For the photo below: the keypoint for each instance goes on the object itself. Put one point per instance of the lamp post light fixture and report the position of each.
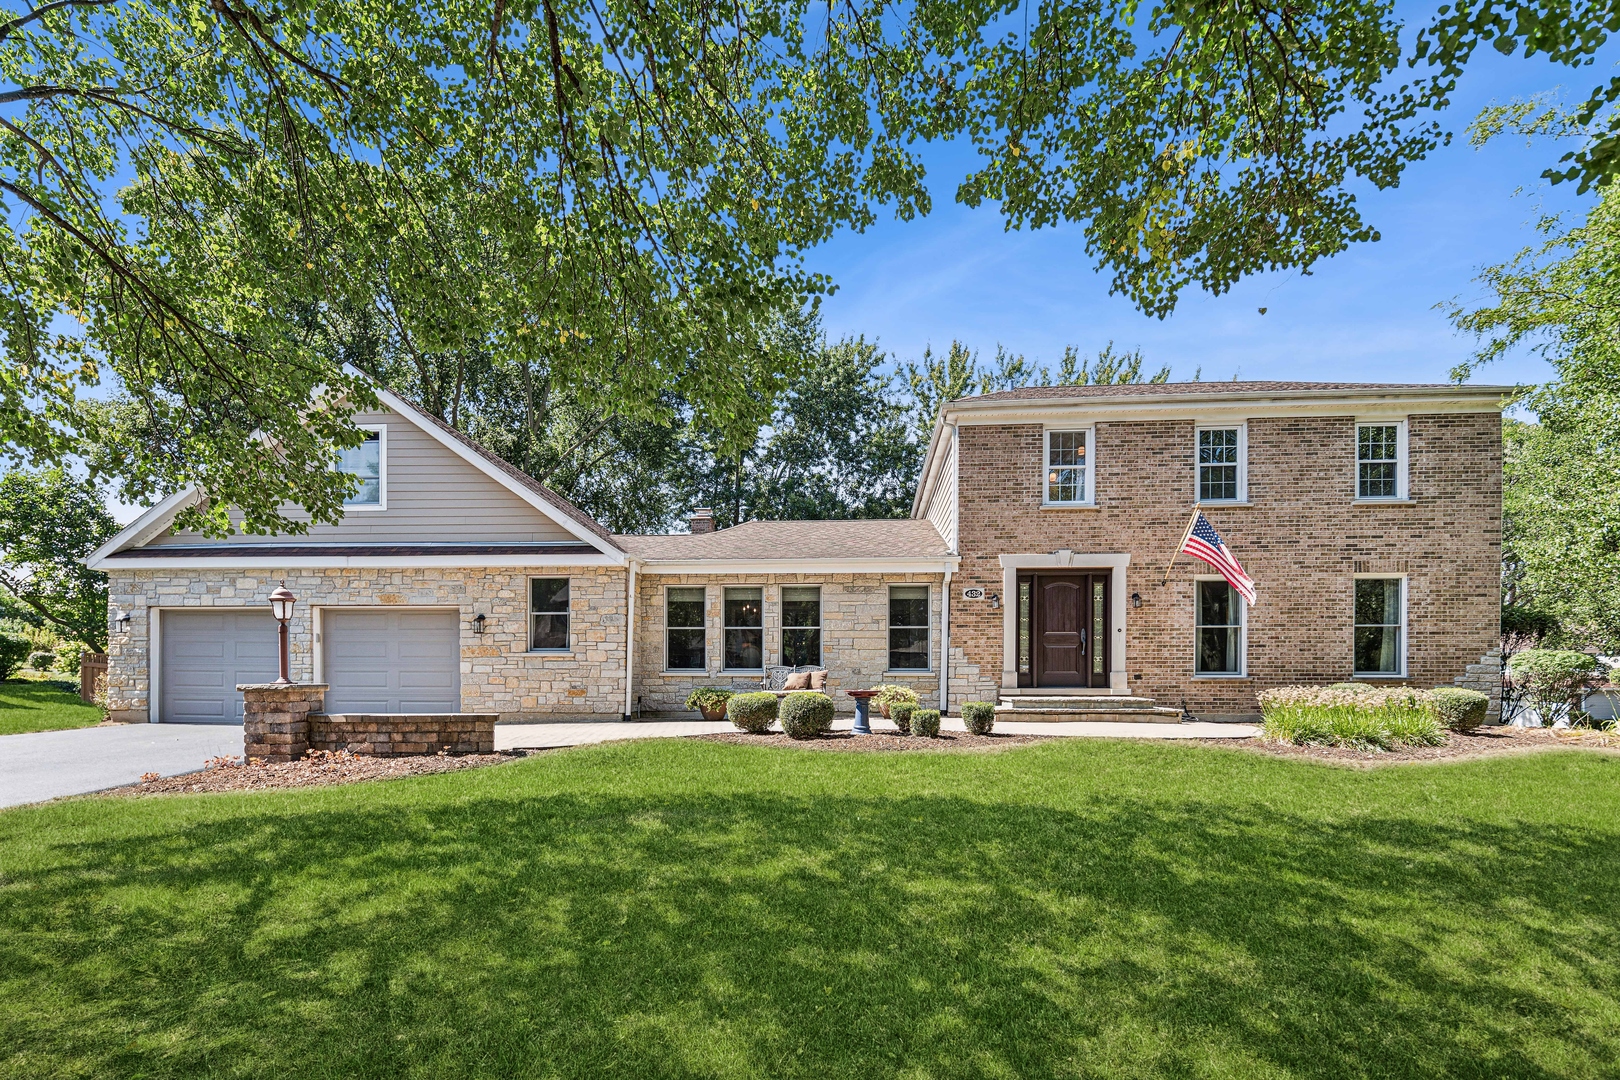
(281, 606)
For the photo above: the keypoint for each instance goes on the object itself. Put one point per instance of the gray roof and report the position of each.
(1126, 390)
(881, 538)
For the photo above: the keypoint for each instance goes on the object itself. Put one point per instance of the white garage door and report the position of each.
(391, 661)
(205, 654)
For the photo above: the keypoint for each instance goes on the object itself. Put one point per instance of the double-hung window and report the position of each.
(367, 463)
(1381, 461)
(548, 614)
(801, 625)
(908, 627)
(1069, 472)
(1380, 642)
(683, 629)
(1220, 464)
(745, 629)
(1219, 628)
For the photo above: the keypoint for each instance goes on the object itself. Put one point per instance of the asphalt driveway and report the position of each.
(49, 764)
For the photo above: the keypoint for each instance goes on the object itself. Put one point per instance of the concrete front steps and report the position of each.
(1052, 708)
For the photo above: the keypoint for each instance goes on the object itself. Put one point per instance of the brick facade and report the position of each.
(1300, 538)
(854, 634)
(498, 673)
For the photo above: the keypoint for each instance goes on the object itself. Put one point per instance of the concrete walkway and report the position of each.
(581, 733)
(49, 764)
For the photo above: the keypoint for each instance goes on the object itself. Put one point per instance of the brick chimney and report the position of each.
(702, 520)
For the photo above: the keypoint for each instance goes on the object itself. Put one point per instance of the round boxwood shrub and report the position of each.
(900, 712)
(925, 722)
(1459, 709)
(13, 650)
(42, 660)
(979, 716)
(752, 713)
(710, 699)
(806, 714)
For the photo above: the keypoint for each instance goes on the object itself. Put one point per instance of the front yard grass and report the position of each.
(40, 706)
(694, 909)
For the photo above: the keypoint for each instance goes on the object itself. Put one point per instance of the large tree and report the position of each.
(49, 521)
(617, 195)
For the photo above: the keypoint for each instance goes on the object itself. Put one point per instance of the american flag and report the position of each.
(1203, 542)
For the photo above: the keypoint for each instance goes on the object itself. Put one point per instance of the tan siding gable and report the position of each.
(433, 496)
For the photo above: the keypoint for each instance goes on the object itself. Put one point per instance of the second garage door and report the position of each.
(391, 661)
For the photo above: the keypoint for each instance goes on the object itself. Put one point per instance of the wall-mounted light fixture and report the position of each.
(478, 623)
(121, 619)
(1136, 599)
(995, 601)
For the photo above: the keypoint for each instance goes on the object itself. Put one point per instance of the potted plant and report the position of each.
(710, 701)
(889, 693)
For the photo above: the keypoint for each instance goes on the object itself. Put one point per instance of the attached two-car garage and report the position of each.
(373, 660)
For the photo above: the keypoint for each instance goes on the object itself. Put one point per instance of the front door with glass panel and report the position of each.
(1063, 629)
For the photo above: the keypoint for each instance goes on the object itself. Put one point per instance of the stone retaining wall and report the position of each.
(390, 735)
(275, 718)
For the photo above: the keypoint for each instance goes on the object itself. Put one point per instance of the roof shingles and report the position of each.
(885, 538)
(1206, 389)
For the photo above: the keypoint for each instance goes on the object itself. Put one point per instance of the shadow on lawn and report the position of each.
(695, 935)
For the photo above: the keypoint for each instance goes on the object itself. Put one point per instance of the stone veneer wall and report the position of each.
(1300, 538)
(1486, 677)
(498, 674)
(854, 634)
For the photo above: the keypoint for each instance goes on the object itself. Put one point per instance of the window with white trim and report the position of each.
(908, 627)
(366, 464)
(745, 629)
(683, 629)
(1381, 461)
(1069, 468)
(801, 625)
(548, 614)
(1218, 622)
(1221, 465)
(1380, 629)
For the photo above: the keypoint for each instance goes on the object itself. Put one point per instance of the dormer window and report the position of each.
(1069, 468)
(367, 463)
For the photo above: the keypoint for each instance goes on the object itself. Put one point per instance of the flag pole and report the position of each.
(1184, 534)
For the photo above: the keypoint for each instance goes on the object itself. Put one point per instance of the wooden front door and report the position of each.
(1067, 621)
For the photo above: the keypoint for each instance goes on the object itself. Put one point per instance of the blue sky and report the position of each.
(1366, 315)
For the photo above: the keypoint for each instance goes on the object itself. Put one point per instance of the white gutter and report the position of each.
(630, 637)
(945, 648)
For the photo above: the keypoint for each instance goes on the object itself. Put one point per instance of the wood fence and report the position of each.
(92, 675)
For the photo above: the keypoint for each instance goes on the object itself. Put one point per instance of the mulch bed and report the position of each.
(318, 768)
(843, 740)
(1459, 746)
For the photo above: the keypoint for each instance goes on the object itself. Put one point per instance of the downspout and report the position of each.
(629, 638)
(945, 647)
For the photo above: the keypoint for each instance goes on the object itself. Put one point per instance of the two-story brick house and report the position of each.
(1033, 565)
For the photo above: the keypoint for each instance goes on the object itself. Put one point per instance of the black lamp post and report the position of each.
(281, 606)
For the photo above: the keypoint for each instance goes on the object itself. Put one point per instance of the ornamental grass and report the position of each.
(1362, 717)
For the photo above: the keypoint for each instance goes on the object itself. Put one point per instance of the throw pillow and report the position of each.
(797, 681)
(818, 679)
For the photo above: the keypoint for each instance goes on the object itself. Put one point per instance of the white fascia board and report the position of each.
(938, 565)
(477, 461)
(1218, 407)
(930, 464)
(356, 562)
(143, 528)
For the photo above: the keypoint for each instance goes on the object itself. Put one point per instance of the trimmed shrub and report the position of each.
(900, 712)
(889, 694)
(1552, 680)
(925, 722)
(69, 656)
(979, 716)
(41, 661)
(806, 714)
(709, 698)
(1459, 709)
(13, 651)
(753, 713)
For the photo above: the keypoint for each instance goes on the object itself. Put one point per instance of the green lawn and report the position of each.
(36, 706)
(688, 909)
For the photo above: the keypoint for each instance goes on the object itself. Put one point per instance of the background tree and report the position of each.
(49, 521)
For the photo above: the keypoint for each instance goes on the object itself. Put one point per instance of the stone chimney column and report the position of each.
(702, 520)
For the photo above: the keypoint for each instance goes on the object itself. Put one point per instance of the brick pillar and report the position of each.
(275, 718)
